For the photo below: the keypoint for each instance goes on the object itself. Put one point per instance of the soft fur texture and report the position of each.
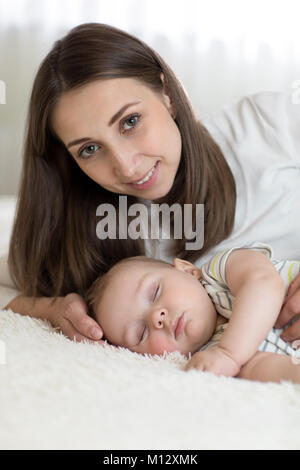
(58, 394)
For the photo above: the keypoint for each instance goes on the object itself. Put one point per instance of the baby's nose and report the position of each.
(160, 318)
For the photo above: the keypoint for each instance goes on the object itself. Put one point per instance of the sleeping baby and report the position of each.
(220, 315)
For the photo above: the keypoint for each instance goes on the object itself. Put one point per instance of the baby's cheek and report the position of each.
(159, 344)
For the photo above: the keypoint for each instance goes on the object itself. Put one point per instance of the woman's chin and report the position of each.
(159, 193)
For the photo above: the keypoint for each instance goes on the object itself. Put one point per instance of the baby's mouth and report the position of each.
(178, 325)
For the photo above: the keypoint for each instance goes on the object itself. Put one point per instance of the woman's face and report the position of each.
(126, 138)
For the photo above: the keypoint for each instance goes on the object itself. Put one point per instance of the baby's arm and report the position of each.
(271, 367)
(259, 292)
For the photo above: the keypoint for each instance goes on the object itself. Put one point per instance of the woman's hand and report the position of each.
(289, 310)
(214, 360)
(70, 315)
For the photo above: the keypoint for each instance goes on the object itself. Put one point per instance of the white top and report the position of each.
(259, 136)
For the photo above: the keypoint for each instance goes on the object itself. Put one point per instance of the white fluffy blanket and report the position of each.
(58, 394)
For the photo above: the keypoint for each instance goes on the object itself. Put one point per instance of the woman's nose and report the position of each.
(125, 163)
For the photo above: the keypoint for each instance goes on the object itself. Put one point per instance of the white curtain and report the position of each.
(220, 50)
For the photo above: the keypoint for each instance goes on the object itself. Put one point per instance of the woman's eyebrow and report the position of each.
(121, 112)
(111, 122)
(78, 141)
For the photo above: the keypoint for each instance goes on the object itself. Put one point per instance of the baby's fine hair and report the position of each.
(95, 292)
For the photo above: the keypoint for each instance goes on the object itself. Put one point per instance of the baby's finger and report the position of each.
(82, 322)
(192, 365)
(188, 366)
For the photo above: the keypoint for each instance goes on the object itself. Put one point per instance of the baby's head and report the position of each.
(151, 306)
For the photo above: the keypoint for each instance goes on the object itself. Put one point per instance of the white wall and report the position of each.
(220, 50)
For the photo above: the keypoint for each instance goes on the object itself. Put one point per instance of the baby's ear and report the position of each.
(187, 267)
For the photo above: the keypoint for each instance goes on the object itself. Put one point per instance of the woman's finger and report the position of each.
(82, 322)
(292, 333)
(69, 330)
(293, 287)
(290, 309)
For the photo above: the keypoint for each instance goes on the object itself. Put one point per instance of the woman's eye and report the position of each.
(131, 121)
(81, 152)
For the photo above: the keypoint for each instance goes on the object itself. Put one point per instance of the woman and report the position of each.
(107, 117)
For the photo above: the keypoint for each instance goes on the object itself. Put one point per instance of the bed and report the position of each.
(58, 394)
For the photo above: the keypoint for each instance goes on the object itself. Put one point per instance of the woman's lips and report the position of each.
(179, 326)
(151, 181)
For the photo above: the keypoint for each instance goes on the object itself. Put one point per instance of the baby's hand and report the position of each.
(216, 360)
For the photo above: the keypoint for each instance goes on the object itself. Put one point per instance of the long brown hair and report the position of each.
(54, 249)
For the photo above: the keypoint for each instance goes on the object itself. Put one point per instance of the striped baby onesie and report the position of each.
(214, 282)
